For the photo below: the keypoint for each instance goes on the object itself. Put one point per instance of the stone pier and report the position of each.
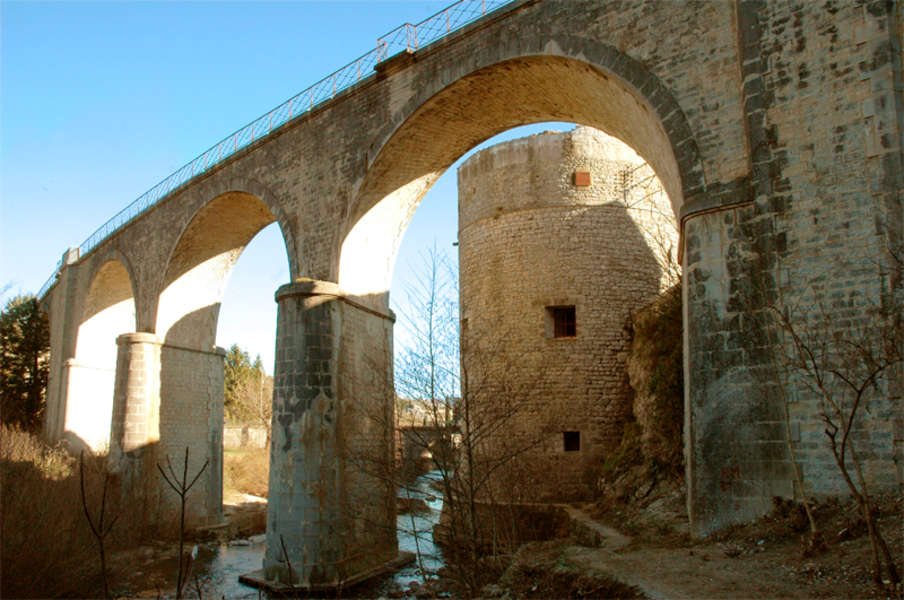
(331, 510)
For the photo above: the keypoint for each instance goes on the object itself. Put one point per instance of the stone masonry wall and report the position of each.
(367, 424)
(191, 415)
(136, 398)
(775, 126)
(838, 187)
(530, 238)
(807, 233)
(330, 452)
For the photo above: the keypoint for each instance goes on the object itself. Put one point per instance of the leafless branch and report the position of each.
(181, 487)
(99, 530)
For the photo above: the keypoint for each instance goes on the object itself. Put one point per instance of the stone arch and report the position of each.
(522, 81)
(275, 203)
(203, 255)
(108, 311)
(191, 290)
(111, 277)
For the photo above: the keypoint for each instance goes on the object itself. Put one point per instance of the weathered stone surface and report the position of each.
(775, 128)
(331, 500)
(531, 238)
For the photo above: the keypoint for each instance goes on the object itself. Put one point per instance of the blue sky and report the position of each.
(99, 101)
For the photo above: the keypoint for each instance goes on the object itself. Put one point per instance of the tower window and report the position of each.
(571, 441)
(560, 321)
(582, 178)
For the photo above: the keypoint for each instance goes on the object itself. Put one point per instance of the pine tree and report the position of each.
(24, 361)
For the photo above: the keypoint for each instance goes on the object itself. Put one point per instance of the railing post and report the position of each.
(311, 94)
(334, 86)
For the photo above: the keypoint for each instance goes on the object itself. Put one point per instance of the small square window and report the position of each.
(571, 441)
(582, 178)
(561, 321)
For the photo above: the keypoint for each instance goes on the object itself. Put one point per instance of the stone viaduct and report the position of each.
(775, 128)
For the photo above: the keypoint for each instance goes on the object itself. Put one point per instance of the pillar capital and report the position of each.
(138, 337)
(308, 287)
(313, 292)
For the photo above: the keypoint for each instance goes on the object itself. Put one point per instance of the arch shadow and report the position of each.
(569, 79)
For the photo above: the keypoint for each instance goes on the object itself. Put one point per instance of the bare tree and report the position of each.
(182, 486)
(845, 356)
(474, 402)
(815, 543)
(769, 324)
(428, 366)
(99, 529)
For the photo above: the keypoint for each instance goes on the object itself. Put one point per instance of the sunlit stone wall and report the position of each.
(548, 223)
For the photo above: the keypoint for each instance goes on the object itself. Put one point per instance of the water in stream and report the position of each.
(415, 531)
(219, 565)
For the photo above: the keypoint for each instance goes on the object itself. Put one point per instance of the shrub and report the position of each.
(47, 549)
(247, 471)
(656, 372)
(628, 454)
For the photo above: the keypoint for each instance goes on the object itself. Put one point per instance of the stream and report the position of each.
(218, 564)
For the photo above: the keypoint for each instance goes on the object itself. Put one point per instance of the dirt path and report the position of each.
(676, 574)
(756, 562)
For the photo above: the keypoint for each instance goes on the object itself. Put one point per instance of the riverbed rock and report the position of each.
(428, 589)
(411, 505)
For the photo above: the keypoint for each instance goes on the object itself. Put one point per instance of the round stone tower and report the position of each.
(561, 236)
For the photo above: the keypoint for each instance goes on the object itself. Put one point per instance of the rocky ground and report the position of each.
(765, 559)
(643, 550)
(632, 551)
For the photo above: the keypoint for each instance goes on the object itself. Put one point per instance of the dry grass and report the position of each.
(246, 471)
(46, 548)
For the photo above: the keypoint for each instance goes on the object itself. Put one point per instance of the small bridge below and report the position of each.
(424, 447)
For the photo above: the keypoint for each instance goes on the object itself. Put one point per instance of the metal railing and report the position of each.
(50, 280)
(404, 38)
